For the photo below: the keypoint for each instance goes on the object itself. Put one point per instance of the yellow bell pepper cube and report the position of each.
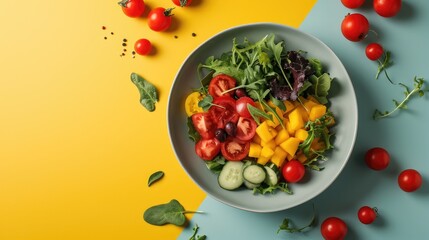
(271, 144)
(317, 111)
(262, 160)
(289, 106)
(288, 127)
(313, 99)
(290, 145)
(255, 150)
(279, 156)
(275, 122)
(304, 113)
(301, 134)
(295, 119)
(281, 136)
(263, 131)
(267, 152)
(257, 139)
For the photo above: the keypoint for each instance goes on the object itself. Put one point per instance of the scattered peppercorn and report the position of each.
(103, 27)
(125, 49)
(175, 36)
(124, 40)
(124, 44)
(194, 34)
(111, 33)
(105, 38)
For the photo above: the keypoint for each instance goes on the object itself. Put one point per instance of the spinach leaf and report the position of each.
(148, 92)
(320, 87)
(172, 212)
(155, 177)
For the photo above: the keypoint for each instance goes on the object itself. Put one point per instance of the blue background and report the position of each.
(401, 215)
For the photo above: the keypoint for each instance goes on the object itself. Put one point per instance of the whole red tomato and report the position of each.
(132, 8)
(293, 171)
(387, 8)
(182, 3)
(143, 46)
(355, 27)
(367, 215)
(352, 3)
(374, 51)
(377, 158)
(333, 228)
(159, 19)
(410, 180)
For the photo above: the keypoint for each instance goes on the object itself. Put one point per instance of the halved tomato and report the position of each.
(223, 111)
(234, 149)
(207, 149)
(241, 106)
(219, 84)
(204, 124)
(246, 129)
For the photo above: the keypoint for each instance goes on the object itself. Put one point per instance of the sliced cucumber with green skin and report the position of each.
(254, 173)
(231, 176)
(250, 185)
(272, 176)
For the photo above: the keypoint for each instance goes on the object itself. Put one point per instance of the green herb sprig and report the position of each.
(195, 236)
(286, 225)
(417, 90)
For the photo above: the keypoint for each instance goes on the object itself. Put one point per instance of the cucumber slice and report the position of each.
(250, 185)
(254, 174)
(231, 177)
(272, 177)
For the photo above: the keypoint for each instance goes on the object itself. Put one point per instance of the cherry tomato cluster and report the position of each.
(355, 26)
(377, 159)
(158, 19)
(227, 127)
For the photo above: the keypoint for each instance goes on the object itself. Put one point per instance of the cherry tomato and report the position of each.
(234, 149)
(219, 84)
(374, 51)
(367, 215)
(355, 27)
(204, 125)
(223, 111)
(293, 171)
(352, 3)
(377, 158)
(182, 3)
(159, 19)
(132, 8)
(387, 8)
(207, 149)
(333, 228)
(246, 129)
(241, 106)
(409, 180)
(143, 46)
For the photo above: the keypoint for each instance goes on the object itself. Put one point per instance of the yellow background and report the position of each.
(76, 146)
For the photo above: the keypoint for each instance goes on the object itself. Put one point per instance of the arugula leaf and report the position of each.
(287, 226)
(316, 65)
(172, 212)
(265, 188)
(256, 113)
(148, 92)
(156, 176)
(418, 84)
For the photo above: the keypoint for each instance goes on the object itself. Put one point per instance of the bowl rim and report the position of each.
(355, 126)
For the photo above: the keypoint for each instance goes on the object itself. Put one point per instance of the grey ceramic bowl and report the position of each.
(343, 105)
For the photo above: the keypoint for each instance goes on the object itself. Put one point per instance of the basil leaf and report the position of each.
(148, 92)
(172, 212)
(155, 177)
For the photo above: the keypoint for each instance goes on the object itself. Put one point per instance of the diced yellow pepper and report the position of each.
(301, 134)
(271, 144)
(309, 104)
(290, 145)
(279, 156)
(262, 160)
(289, 106)
(288, 127)
(257, 139)
(313, 99)
(255, 150)
(281, 136)
(317, 111)
(273, 131)
(263, 131)
(301, 157)
(267, 152)
(295, 119)
(275, 122)
(304, 113)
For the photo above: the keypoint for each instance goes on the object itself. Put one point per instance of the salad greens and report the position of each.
(286, 225)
